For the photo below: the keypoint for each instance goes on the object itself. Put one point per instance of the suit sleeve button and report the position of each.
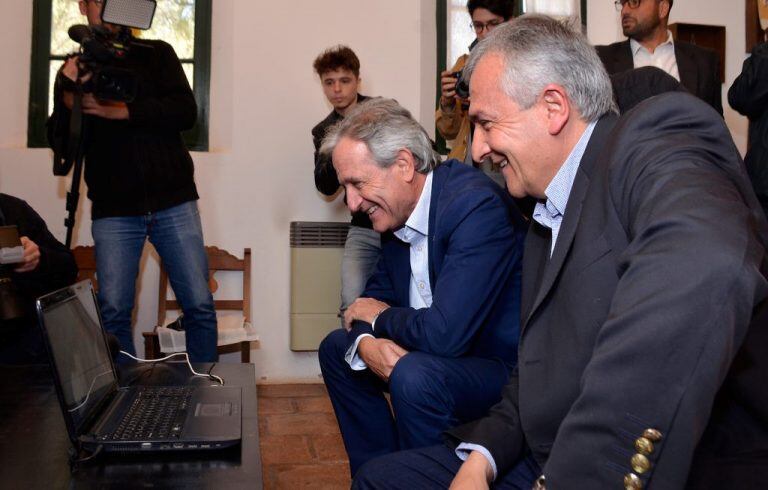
(640, 463)
(643, 445)
(632, 482)
(652, 434)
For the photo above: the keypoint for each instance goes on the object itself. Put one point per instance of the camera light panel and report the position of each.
(130, 13)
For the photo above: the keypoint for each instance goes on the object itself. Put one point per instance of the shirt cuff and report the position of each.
(354, 360)
(463, 450)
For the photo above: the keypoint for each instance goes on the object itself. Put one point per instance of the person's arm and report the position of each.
(749, 93)
(688, 282)
(326, 180)
(481, 251)
(173, 107)
(450, 113)
(56, 266)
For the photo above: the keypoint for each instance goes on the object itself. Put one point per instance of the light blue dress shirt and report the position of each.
(548, 214)
(415, 232)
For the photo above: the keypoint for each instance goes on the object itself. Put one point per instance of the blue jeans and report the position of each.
(177, 235)
(362, 250)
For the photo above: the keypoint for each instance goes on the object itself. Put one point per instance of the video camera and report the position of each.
(101, 48)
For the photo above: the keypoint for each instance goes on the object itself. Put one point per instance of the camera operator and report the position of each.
(141, 185)
(47, 265)
(451, 117)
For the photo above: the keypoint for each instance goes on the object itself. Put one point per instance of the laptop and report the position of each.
(100, 415)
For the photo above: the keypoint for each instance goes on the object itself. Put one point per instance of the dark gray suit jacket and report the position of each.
(641, 314)
(699, 68)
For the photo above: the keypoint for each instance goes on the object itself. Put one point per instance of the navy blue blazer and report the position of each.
(476, 236)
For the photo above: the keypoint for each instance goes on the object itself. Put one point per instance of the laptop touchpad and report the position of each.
(213, 409)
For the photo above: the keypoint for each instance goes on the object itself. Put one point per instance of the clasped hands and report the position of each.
(380, 355)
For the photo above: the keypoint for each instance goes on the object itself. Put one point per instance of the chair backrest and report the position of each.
(218, 260)
(85, 258)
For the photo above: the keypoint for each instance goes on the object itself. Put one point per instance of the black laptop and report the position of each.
(101, 415)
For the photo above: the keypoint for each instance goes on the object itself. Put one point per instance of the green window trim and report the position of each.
(196, 138)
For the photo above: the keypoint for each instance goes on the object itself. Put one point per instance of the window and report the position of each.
(185, 24)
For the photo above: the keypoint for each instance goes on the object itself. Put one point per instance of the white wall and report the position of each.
(604, 27)
(265, 98)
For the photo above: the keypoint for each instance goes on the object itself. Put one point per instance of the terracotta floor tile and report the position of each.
(314, 404)
(328, 447)
(292, 390)
(326, 477)
(269, 406)
(301, 424)
(284, 450)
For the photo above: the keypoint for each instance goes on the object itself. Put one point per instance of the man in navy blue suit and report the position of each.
(437, 325)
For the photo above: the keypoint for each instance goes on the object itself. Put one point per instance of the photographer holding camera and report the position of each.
(451, 117)
(46, 265)
(140, 176)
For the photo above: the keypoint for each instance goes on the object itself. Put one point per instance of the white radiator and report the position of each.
(316, 252)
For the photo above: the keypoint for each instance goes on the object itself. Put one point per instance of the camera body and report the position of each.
(100, 51)
(462, 87)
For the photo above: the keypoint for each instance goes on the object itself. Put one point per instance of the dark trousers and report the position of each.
(429, 394)
(433, 467)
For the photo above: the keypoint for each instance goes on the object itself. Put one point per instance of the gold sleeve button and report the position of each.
(632, 482)
(643, 446)
(640, 463)
(652, 434)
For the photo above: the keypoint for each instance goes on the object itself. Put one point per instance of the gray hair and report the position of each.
(538, 50)
(386, 128)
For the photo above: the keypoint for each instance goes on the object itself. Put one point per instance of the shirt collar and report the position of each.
(636, 46)
(418, 221)
(559, 189)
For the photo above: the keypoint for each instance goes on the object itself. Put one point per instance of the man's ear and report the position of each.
(405, 165)
(557, 106)
(83, 7)
(664, 9)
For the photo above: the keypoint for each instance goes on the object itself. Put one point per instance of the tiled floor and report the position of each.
(300, 442)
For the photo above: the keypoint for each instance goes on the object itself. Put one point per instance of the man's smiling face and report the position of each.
(384, 194)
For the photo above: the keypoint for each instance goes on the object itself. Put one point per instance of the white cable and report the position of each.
(90, 388)
(186, 358)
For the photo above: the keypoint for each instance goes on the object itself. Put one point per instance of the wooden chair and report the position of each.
(218, 260)
(85, 258)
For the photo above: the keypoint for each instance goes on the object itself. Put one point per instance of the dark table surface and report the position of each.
(34, 443)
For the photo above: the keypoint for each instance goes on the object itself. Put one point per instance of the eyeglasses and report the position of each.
(489, 26)
(633, 4)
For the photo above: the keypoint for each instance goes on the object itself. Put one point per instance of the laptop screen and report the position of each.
(79, 352)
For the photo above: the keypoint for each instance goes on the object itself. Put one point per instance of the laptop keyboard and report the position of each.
(157, 413)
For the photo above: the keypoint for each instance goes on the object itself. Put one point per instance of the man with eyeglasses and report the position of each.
(650, 43)
(451, 118)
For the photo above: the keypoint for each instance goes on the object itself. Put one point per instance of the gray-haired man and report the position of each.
(437, 324)
(642, 357)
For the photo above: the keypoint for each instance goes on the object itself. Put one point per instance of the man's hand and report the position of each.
(474, 474)
(380, 355)
(31, 256)
(104, 108)
(447, 89)
(363, 309)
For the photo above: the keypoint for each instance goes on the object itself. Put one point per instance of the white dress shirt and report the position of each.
(662, 57)
(416, 233)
